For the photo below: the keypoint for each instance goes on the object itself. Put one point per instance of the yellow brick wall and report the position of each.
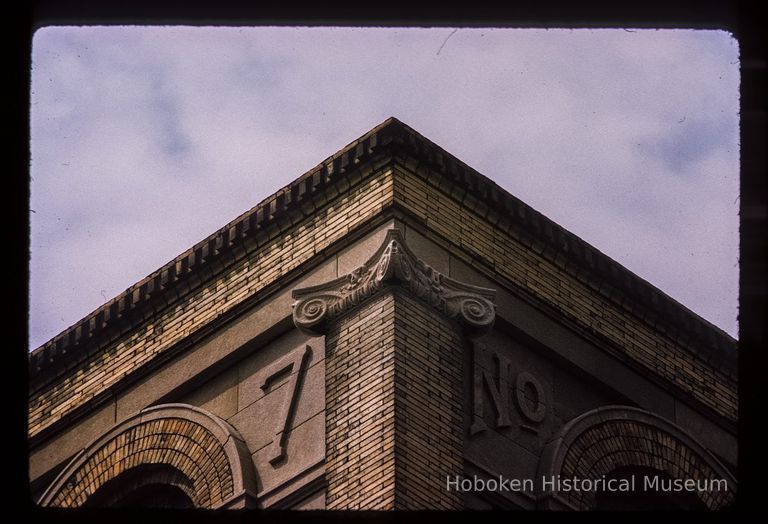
(429, 424)
(360, 408)
(394, 418)
(263, 267)
(529, 270)
(457, 224)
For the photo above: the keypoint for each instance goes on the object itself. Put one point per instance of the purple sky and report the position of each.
(146, 140)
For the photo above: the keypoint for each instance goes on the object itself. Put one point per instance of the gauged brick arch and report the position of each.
(206, 452)
(605, 439)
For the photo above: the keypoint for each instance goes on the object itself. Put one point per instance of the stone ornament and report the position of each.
(394, 264)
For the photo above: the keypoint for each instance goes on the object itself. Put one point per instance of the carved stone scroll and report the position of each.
(394, 264)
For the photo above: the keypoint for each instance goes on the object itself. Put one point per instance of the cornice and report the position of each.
(573, 255)
(196, 265)
(341, 171)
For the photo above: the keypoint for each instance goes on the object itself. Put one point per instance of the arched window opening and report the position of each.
(641, 499)
(146, 486)
(622, 442)
(171, 455)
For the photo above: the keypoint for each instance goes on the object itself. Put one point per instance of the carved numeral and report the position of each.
(297, 361)
(499, 392)
(537, 411)
(532, 407)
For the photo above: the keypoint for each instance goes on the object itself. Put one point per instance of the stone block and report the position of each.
(431, 253)
(306, 447)
(463, 272)
(218, 395)
(316, 501)
(710, 435)
(501, 456)
(258, 421)
(358, 254)
(68, 443)
(254, 370)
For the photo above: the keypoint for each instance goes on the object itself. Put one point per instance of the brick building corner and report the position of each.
(392, 330)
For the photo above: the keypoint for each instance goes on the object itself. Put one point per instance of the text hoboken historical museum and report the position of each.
(566, 484)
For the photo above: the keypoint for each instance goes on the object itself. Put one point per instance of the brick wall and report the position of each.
(603, 448)
(602, 440)
(503, 252)
(360, 408)
(262, 267)
(489, 243)
(521, 263)
(393, 407)
(429, 420)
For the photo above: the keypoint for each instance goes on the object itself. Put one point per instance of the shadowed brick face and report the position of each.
(510, 256)
(601, 449)
(394, 412)
(428, 406)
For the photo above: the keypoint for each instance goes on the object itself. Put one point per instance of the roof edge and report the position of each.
(72, 343)
(559, 245)
(567, 250)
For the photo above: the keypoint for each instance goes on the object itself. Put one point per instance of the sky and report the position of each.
(145, 140)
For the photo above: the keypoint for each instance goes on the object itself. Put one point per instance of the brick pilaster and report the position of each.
(395, 332)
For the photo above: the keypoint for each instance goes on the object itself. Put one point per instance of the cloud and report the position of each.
(146, 140)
